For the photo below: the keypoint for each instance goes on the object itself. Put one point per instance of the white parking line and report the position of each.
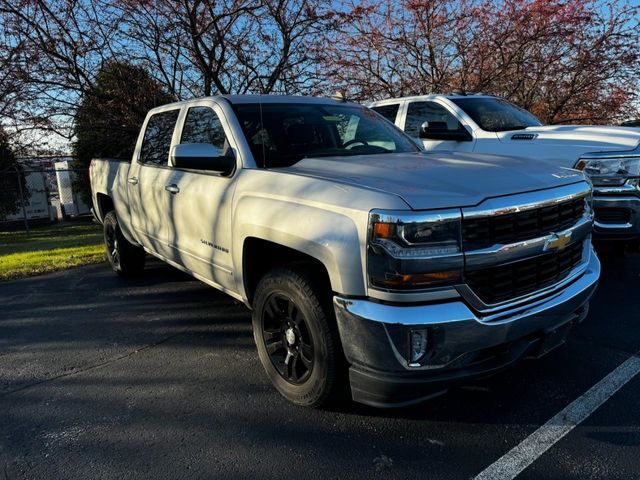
(526, 452)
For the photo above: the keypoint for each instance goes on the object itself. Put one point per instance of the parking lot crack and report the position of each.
(92, 367)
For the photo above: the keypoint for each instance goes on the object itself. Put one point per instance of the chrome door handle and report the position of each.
(133, 180)
(173, 188)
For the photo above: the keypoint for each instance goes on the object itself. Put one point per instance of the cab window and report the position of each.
(202, 125)
(434, 113)
(390, 112)
(157, 138)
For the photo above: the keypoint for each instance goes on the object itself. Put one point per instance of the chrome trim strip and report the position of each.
(431, 295)
(624, 189)
(500, 254)
(526, 201)
(628, 201)
(438, 313)
(402, 217)
(613, 226)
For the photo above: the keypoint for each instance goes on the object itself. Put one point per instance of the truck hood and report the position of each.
(438, 180)
(581, 138)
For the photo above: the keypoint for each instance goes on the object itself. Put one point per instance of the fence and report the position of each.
(38, 196)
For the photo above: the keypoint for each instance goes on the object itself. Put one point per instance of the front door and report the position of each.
(199, 231)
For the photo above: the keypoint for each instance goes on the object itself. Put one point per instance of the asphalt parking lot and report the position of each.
(157, 377)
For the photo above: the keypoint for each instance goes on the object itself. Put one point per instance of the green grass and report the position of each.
(48, 249)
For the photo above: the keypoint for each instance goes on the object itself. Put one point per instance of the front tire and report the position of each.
(297, 338)
(125, 258)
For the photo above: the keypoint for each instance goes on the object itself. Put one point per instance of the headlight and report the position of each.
(411, 251)
(610, 171)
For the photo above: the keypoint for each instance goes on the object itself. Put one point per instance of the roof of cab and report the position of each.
(237, 99)
(240, 99)
(430, 96)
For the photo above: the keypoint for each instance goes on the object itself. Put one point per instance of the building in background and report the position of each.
(48, 193)
(70, 199)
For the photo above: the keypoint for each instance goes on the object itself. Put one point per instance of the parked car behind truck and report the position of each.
(362, 258)
(488, 124)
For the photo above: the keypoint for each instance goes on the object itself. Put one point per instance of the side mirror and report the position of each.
(202, 156)
(439, 131)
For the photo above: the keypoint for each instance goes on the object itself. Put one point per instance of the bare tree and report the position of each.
(203, 47)
(280, 47)
(395, 48)
(566, 60)
(62, 43)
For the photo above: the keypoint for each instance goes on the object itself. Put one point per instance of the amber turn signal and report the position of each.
(420, 279)
(383, 230)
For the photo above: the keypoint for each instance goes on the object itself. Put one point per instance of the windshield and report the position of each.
(281, 134)
(496, 115)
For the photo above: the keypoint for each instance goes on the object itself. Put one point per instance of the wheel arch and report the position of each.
(259, 256)
(104, 204)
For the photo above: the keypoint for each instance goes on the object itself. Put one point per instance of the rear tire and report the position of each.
(297, 338)
(125, 258)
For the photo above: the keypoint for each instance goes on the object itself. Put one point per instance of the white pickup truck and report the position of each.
(487, 124)
(367, 263)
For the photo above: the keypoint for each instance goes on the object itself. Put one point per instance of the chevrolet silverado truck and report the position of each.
(370, 267)
(610, 156)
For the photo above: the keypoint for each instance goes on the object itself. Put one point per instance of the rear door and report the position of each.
(149, 180)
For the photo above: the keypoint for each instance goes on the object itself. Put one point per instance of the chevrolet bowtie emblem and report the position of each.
(557, 241)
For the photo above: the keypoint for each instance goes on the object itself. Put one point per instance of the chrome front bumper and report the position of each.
(461, 342)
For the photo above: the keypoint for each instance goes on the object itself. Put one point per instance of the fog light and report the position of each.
(418, 344)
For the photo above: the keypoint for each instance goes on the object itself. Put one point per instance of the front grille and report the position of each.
(612, 215)
(484, 232)
(506, 282)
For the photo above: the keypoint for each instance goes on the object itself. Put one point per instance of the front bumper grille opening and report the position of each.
(612, 215)
(506, 282)
(510, 228)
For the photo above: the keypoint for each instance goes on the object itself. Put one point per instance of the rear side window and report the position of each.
(202, 125)
(390, 112)
(157, 138)
(434, 113)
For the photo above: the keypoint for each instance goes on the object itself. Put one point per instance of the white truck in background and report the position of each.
(486, 124)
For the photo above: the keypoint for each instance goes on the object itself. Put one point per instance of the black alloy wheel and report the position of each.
(124, 257)
(297, 337)
(111, 242)
(287, 339)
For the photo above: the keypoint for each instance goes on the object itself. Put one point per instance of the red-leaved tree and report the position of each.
(565, 60)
